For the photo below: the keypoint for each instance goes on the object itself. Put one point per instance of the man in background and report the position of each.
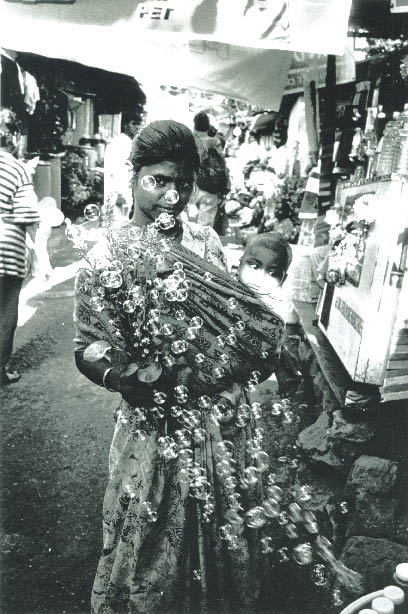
(204, 133)
(18, 216)
(117, 168)
(212, 179)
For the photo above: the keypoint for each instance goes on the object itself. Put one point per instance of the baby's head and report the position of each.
(265, 262)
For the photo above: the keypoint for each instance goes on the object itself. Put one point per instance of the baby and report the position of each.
(263, 268)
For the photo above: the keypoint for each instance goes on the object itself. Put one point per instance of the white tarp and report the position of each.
(315, 26)
(257, 76)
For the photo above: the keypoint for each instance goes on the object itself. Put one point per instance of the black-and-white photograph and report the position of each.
(204, 307)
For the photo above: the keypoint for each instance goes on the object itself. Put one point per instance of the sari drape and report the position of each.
(161, 552)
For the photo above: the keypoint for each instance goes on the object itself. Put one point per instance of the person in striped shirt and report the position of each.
(18, 216)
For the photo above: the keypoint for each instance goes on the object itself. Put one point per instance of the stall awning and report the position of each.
(113, 92)
(256, 76)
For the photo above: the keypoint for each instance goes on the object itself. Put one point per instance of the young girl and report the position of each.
(162, 550)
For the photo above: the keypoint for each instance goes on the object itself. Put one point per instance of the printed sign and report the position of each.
(350, 315)
(314, 26)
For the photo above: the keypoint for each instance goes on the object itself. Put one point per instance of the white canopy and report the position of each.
(153, 40)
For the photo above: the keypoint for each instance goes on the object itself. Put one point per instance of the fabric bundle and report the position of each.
(239, 334)
(219, 331)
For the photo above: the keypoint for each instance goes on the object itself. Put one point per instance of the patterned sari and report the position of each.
(161, 554)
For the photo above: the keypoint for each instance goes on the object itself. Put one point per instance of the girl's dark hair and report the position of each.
(276, 243)
(161, 141)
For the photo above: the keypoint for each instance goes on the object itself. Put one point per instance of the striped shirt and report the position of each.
(18, 209)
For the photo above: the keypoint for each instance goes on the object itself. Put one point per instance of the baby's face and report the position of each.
(260, 270)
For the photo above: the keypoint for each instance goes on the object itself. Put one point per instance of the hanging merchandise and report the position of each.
(308, 209)
(360, 97)
(31, 92)
(48, 123)
(73, 104)
(393, 147)
(344, 139)
(297, 144)
(12, 95)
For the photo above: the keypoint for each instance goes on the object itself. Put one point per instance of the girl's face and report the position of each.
(261, 270)
(151, 198)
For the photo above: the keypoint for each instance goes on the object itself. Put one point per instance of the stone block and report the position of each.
(373, 516)
(351, 431)
(375, 559)
(330, 460)
(373, 474)
(314, 437)
(314, 441)
(325, 489)
(348, 452)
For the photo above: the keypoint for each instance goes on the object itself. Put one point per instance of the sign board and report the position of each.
(314, 26)
(399, 6)
(362, 312)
